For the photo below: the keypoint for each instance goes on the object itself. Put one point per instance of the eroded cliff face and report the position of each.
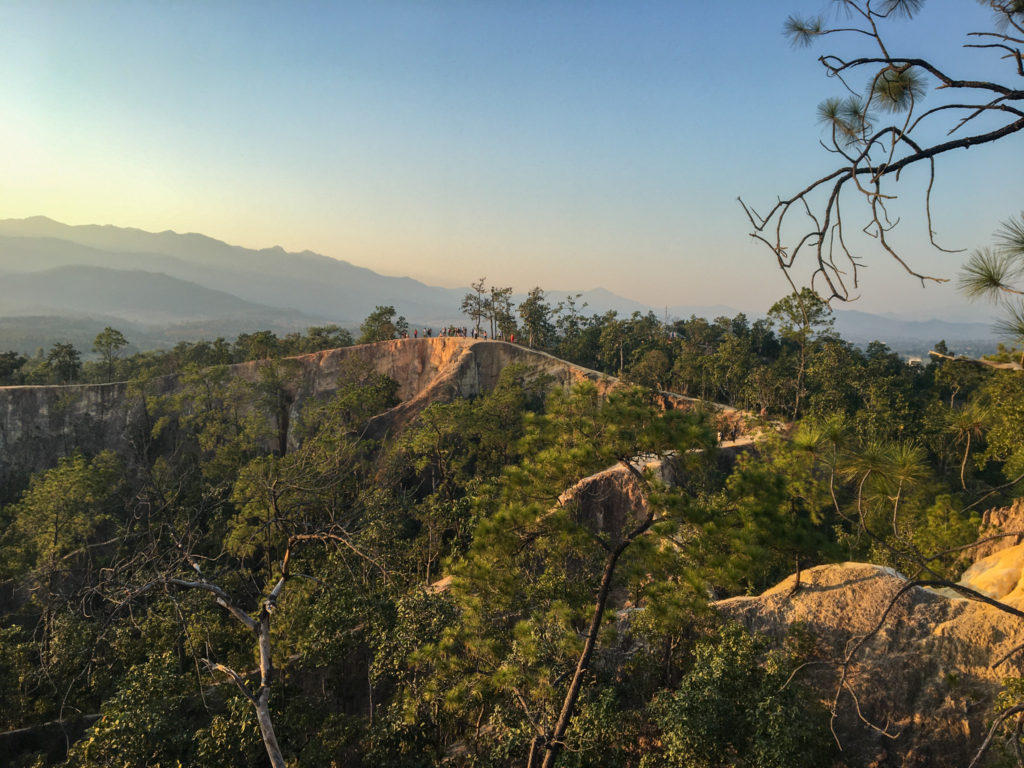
(38, 425)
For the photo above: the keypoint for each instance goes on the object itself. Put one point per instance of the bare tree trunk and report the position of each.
(533, 751)
(267, 730)
(260, 626)
(800, 379)
(554, 744)
(262, 703)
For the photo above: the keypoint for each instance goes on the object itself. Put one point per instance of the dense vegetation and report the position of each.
(63, 363)
(435, 595)
(212, 596)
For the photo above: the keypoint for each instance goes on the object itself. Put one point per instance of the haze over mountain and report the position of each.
(863, 327)
(168, 283)
(305, 281)
(148, 298)
(308, 282)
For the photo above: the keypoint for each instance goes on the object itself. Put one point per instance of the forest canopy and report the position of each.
(312, 591)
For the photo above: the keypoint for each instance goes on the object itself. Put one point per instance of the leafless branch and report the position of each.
(871, 161)
(996, 725)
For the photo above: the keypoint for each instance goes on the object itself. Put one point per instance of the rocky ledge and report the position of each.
(912, 672)
(40, 424)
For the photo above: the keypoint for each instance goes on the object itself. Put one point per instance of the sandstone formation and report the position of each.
(999, 576)
(998, 569)
(40, 424)
(612, 501)
(1001, 528)
(927, 677)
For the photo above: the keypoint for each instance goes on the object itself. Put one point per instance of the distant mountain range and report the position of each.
(140, 297)
(862, 327)
(163, 287)
(306, 282)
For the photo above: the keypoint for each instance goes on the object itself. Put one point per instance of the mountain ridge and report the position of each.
(140, 296)
(328, 289)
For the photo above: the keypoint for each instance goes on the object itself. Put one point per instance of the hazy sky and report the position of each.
(564, 144)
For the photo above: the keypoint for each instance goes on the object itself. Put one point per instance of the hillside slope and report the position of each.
(39, 424)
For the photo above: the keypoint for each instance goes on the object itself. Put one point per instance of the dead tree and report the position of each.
(878, 131)
(258, 624)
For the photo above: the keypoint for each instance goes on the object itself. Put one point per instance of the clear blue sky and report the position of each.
(562, 144)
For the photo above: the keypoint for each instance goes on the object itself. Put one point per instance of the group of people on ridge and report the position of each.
(453, 331)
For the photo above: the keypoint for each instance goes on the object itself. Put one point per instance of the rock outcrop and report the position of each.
(1001, 528)
(925, 668)
(998, 569)
(999, 576)
(40, 424)
(612, 501)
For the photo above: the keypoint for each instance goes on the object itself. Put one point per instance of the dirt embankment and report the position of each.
(40, 424)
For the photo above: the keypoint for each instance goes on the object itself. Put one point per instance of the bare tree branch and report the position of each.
(871, 161)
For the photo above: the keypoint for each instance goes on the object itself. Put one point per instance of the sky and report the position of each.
(566, 144)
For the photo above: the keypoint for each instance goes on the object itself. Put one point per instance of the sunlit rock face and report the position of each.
(927, 677)
(999, 576)
(40, 424)
(998, 569)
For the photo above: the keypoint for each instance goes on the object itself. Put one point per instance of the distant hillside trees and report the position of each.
(503, 322)
(537, 316)
(64, 363)
(801, 318)
(319, 337)
(790, 364)
(785, 365)
(56, 366)
(10, 367)
(379, 325)
(762, 366)
(259, 345)
(108, 345)
(493, 305)
(477, 305)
